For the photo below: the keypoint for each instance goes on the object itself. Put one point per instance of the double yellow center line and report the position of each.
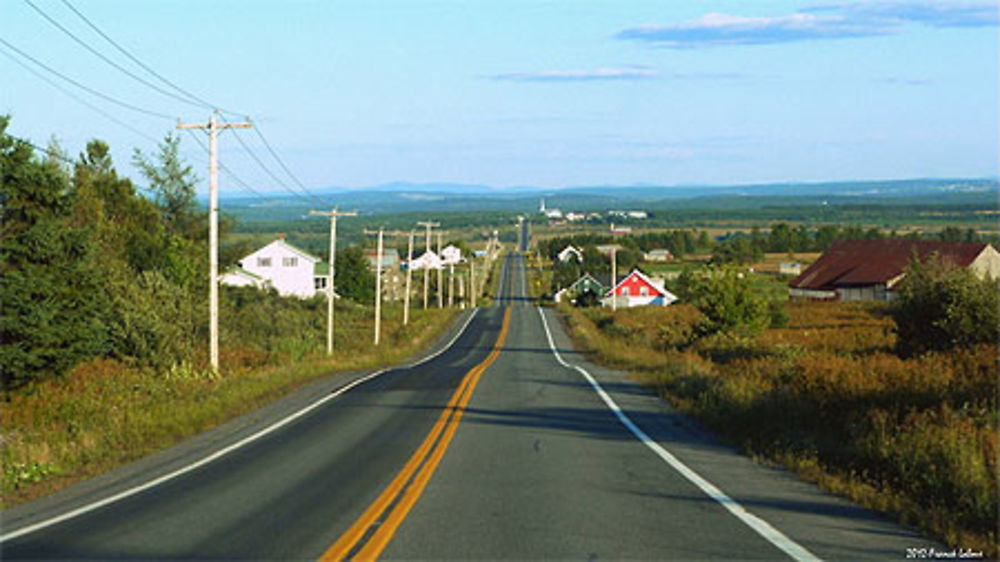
(383, 517)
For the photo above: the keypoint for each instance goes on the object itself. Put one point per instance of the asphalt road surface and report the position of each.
(506, 445)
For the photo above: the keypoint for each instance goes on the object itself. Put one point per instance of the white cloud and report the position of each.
(598, 74)
(829, 21)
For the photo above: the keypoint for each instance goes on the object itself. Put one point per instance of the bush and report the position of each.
(726, 298)
(941, 306)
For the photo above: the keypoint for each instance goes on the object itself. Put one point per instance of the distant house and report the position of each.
(289, 270)
(659, 255)
(790, 268)
(620, 230)
(390, 258)
(451, 255)
(587, 283)
(570, 252)
(868, 270)
(638, 290)
(428, 260)
(575, 217)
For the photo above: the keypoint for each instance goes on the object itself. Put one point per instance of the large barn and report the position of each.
(870, 270)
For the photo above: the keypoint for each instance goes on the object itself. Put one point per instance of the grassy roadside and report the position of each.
(105, 413)
(826, 397)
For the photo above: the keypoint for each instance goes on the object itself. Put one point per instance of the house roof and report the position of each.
(583, 279)
(294, 249)
(642, 276)
(870, 262)
(239, 271)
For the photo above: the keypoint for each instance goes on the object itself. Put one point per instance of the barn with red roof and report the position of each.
(867, 270)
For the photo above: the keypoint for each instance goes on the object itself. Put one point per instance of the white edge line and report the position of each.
(763, 528)
(224, 451)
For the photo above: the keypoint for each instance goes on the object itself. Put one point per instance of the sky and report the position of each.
(515, 93)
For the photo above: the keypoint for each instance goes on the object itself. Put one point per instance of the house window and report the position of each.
(624, 291)
(289, 262)
(319, 283)
(644, 291)
(263, 262)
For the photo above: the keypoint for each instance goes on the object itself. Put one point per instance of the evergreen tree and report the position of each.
(353, 279)
(51, 298)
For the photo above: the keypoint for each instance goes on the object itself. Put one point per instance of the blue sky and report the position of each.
(530, 93)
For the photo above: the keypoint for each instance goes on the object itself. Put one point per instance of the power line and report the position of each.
(101, 56)
(85, 88)
(229, 173)
(267, 170)
(276, 157)
(140, 63)
(77, 98)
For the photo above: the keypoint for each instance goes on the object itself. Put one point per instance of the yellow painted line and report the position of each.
(447, 423)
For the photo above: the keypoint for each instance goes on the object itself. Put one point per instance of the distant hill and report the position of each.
(401, 197)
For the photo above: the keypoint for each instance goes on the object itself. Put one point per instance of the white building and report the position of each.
(428, 260)
(570, 252)
(451, 255)
(289, 270)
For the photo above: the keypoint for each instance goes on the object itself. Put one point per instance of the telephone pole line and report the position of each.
(409, 278)
(213, 127)
(429, 225)
(330, 293)
(440, 285)
(378, 283)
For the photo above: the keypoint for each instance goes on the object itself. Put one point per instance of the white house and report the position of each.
(451, 255)
(659, 255)
(570, 252)
(289, 270)
(428, 260)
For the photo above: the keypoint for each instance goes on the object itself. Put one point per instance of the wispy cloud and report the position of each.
(595, 75)
(827, 21)
(897, 81)
(934, 14)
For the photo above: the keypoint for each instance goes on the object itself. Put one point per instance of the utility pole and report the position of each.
(472, 280)
(378, 284)
(440, 287)
(333, 214)
(429, 225)
(409, 277)
(213, 127)
(614, 278)
(451, 285)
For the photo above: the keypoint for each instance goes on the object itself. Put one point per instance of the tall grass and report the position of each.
(828, 396)
(106, 413)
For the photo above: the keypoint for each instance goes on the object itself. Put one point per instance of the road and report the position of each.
(502, 446)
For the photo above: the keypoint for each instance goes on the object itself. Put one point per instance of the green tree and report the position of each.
(941, 306)
(51, 297)
(353, 278)
(172, 185)
(726, 298)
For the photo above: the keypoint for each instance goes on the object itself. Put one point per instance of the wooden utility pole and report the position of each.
(378, 284)
(330, 293)
(429, 225)
(409, 277)
(472, 280)
(451, 285)
(614, 278)
(213, 127)
(440, 286)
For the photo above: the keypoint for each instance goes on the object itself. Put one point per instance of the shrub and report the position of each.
(941, 306)
(726, 298)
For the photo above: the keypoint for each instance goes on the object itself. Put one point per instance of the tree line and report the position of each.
(90, 266)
